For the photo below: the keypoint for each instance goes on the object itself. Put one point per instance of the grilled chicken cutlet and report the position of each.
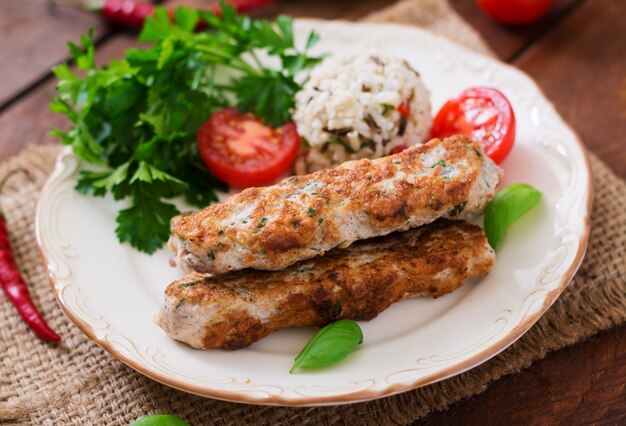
(305, 216)
(233, 310)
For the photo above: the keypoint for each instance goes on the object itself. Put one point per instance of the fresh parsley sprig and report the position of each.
(136, 119)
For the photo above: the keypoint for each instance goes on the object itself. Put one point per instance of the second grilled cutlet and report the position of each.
(305, 216)
(235, 309)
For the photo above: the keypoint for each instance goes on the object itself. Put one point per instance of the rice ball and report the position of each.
(359, 106)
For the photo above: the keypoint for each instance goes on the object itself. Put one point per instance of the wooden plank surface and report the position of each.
(581, 385)
(507, 41)
(573, 57)
(33, 38)
(30, 120)
(581, 66)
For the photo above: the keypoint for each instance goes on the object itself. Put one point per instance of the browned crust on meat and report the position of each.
(357, 283)
(294, 232)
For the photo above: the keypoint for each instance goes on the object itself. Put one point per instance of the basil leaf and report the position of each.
(329, 345)
(159, 420)
(507, 206)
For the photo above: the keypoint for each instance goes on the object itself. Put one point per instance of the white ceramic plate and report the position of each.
(113, 292)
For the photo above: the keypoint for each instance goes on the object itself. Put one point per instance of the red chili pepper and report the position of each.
(398, 149)
(15, 287)
(126, 12)
(132, 14)
(404, 109)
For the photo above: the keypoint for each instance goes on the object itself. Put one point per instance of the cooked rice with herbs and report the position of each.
(359, 106)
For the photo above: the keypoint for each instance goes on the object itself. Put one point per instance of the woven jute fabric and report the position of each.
(77, 382)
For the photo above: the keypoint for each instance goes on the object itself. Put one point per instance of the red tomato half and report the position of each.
(242, 151)
(483, 114)
(515, 12)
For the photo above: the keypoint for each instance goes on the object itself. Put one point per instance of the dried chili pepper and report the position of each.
(126, 13)
(14, 285)
(132, 14)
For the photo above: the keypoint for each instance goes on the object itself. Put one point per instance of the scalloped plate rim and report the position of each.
(350, 397)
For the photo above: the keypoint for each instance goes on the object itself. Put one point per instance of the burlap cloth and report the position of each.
(77, 382)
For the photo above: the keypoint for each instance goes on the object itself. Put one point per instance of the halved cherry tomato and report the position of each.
(482, 113)
(515, 12)
(240, 150)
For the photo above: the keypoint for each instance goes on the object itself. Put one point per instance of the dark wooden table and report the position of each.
(577, 54)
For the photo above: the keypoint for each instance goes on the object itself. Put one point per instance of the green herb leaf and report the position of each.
(137, 118)
(387, 108)
(186, 18)
(84, 56)
(278, 38)
(507, 206)
(145, 225)
(296, 63)
(337, 140)
(312, 40)
(367, 143)
(458, 209)
(269, 96)
(262, 223)
(160, 420)
(329, 345)
(157, 26)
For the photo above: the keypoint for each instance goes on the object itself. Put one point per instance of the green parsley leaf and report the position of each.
(293, 64)
(312, 40)
(268, 96)
(157, 26)
(145, 225)
(277, 38)
(186, 18)
(137, 118)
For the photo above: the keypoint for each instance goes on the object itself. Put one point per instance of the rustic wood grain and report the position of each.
(362, 8)
(507, 41)
(581, 66)
(581, 385)
(325, 9)
(579, 62)
(33, 38)
(29, 121)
